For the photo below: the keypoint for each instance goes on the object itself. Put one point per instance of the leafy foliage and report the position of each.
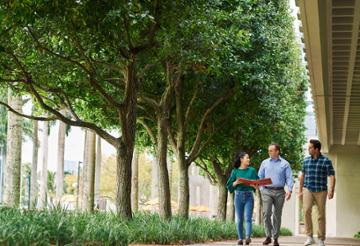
(270, 106)
(58, 226)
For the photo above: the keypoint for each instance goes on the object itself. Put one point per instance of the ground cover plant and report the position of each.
(60, 227)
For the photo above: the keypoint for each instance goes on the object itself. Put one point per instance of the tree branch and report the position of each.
(65, 58)
(12, 80)
(172, 140)
(150, 32)
(111, 100)
(31, 117)
(106, 136)
(60, 94)
(201, 128)
(219, 173)
(191, 103)
(228, 169)
(112, 81)
(147, 100)
(196, 155)
(80, 47)
(148, 130)
(207, 171)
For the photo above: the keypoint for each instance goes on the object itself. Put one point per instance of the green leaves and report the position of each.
(58, 226)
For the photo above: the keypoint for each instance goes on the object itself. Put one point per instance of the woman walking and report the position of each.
(244, 198)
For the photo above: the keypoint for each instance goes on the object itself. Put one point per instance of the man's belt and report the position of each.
(274, 188)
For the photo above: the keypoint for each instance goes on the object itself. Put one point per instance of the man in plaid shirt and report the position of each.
(315, 172)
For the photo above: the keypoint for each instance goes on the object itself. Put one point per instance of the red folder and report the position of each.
(260, 182)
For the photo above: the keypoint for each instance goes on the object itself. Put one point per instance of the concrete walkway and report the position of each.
(291, 241)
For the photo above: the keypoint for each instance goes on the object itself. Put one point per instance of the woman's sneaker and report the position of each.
(309, 241)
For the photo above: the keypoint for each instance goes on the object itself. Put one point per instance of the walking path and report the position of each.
(290, 241)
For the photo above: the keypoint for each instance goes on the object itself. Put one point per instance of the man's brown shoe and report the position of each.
(248, 241)
(276, 243)
(240, 242)
(267, 241)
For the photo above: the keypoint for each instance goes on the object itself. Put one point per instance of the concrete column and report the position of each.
(154, 178)
(347, 192)
(212, 200)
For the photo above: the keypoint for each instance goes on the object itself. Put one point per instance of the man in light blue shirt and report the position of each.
(278, 169)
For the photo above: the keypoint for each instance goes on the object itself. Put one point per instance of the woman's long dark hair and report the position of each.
(238, 158)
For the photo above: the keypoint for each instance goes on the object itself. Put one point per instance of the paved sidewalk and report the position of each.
(290, 241)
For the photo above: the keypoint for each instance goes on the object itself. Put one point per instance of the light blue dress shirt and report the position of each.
(279, 171)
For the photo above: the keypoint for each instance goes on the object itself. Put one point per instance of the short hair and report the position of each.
(240, 155)
(277, 147)
(316, 143)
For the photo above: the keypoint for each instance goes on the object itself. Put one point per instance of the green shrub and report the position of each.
(57, 226)
(357, 235)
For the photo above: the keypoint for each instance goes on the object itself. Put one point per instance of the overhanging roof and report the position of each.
(332, 48)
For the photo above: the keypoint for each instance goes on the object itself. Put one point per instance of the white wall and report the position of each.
(347, 192)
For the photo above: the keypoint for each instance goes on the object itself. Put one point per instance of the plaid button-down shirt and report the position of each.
(316, 173)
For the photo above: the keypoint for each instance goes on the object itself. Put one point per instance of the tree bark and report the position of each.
(231, 208)
(163, 123)
(221, 177)
(44, 171)
(221, 209)
(98, 168)
(125, 146)
(60, 162)
(123, 201)
(12, 170)
(135, 182)
(184, 196)
(184, 192)
(164, 184)
(34, 164)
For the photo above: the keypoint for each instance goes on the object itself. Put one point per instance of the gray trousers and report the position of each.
(272, 198)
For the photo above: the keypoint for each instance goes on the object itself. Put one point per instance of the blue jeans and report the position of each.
(244, 204)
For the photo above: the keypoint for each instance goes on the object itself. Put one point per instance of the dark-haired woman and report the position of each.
(244, 198)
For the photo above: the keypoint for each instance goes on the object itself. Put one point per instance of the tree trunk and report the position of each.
(164, 184)
(90, 171)
(12, 169)
(44, 171)
(135, 182)
(123, 198)
(221, 209)
(231, 209)
(184, 193)
(60, 162)
(98, 169)
(34, 181)
(184, 196)
(125, 147)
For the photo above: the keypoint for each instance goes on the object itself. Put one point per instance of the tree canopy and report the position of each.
(207, 78)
